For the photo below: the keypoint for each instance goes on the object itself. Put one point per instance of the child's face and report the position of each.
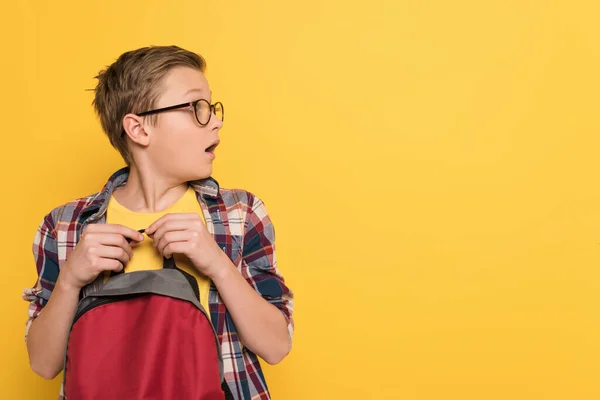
(178, 144)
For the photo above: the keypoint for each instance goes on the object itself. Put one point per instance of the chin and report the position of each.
(187, 170)
(201, 173)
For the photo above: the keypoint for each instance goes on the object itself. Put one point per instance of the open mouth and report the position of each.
(212, 147)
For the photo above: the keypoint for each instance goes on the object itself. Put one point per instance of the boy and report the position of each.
(155, 106)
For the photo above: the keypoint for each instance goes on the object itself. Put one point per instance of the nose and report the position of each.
(216, 123)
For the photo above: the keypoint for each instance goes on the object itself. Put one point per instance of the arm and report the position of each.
(257, 299)
(57, 294)
(261, 327)
(47, 332)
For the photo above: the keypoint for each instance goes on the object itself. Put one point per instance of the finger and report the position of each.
(173, 236)
(110, 264)
(114, 228)
(112, 239)
(116, 253)
(170, 217)
(106, 264)
(172, 226)
(174, 248)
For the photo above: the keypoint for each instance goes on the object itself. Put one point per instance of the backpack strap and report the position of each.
(169, 263)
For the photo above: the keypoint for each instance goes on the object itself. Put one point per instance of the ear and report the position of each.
(133, 127)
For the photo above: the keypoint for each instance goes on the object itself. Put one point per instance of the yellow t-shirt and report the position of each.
(145, 256)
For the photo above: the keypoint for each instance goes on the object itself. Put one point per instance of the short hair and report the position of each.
(132, 84)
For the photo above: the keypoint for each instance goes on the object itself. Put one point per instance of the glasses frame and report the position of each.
(192, 104)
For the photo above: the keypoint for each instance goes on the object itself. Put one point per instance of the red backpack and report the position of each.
(144, 335)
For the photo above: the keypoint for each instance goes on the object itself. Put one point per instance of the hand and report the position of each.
(186, 234)
(102, 247)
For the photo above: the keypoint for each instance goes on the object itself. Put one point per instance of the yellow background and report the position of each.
(430, 167)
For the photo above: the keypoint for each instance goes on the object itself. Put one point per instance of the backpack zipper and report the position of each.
(102, 301)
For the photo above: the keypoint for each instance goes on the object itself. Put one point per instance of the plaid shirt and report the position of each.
(239, 224)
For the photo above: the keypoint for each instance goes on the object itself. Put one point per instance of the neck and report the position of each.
(149, 191)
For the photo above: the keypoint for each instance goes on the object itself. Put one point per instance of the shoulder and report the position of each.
(245, 211)
(237, 198)
(68, 213)
(242, 200)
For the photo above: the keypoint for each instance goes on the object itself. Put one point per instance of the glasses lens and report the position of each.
(219, 111)
(203, 112)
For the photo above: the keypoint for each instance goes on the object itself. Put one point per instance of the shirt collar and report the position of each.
(207, 188)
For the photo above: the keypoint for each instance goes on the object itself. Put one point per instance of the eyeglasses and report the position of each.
(202, 109)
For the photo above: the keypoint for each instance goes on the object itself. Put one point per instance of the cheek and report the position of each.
(178, 122)
(181, 144)
(182, 131)
(187, 148)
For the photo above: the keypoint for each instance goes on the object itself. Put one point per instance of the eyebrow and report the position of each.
(192, 90)
(195, 90)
